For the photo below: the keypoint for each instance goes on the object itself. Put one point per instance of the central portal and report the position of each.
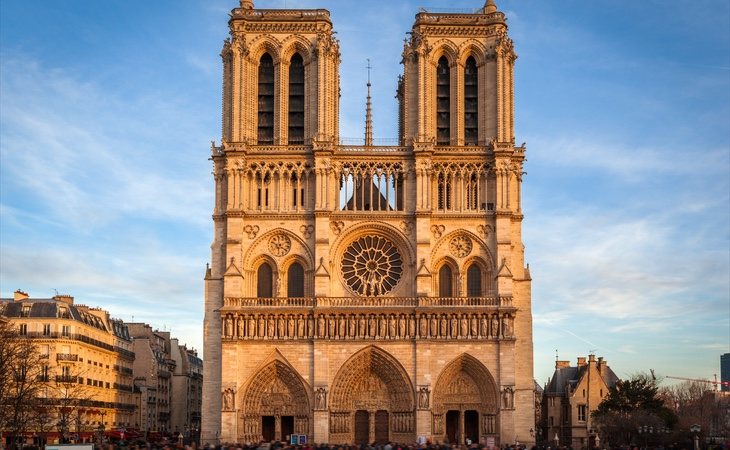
(370, 390)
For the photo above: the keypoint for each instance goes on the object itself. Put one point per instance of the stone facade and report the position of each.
(367, 293)
(570, 397)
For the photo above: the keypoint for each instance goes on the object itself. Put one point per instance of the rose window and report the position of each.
(279, 244)
(460, 246)
(372, 265)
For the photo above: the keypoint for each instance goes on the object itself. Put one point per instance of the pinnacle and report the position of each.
(490, 7)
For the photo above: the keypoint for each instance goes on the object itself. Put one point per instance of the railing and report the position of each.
(368, 302)
(80, 338)
(66, 357)
(65, 379)
(280, 302)
(372, 148)
(123, 387)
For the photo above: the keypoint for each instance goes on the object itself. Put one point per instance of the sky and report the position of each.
(107, 110)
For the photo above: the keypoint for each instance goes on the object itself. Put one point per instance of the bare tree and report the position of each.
(697, 403)
(21, 381)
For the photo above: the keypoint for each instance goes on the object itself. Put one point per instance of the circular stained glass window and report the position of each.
(372, 265)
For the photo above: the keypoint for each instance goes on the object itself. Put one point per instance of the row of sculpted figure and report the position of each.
(369, 326)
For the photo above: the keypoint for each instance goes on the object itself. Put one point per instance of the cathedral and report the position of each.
(367, 293)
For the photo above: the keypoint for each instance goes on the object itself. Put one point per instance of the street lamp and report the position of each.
(695, 429)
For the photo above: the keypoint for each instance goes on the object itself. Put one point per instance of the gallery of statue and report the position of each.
(367, 293)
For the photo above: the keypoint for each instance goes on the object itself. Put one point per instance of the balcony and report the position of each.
(66, 379)
(233, 303)
(69, 357)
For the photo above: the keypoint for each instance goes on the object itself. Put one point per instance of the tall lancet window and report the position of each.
(264, 282)
(295, 281)
(296, 100)
(446, 282)
(474, 281)
(266, 100)
(443, 102)
(227, 96)
(471, 115)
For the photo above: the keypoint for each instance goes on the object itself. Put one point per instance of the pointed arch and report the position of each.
(265, 280)
(465, 388)
(449, 389)
(376, 362)
(266, 114)
(275, 389)
(372, 381)
(296, 100)
(443, 101)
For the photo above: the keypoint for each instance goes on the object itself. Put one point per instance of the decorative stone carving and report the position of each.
(372, 265)
(460, 246)
(279, 244)
(484, 230)
(437, 230)
(337, 226)
(306, 230)
(251, 231)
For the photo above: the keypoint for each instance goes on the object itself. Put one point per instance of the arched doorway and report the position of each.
(371, 400)
(276, 404)
(465, 402)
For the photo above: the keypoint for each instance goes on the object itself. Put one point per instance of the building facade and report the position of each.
(153, 369)
(367, 293)
(570, 397)
(86, 370)
(187, 390)
(725, 372)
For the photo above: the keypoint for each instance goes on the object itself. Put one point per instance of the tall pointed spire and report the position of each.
(368, 115)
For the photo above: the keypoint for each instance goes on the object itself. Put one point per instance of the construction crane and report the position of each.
(715, 383)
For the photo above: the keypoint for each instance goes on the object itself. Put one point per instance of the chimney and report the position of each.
(581, 361)
(601, 365)
(591, 358)
(19, 295)
(65, 298)
(562, 364)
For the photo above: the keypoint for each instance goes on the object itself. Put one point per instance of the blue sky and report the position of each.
(107, 110)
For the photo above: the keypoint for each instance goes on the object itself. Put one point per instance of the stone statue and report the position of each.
(507, 326)
(228, 400)
(320, 326)
(320, 398)
(507, 397)
(495, 326)
(423, 397)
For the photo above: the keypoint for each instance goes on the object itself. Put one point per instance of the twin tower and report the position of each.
(364, 293)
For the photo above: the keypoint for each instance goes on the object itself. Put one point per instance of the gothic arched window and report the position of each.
(472, 191)
(266, 100)
(443, 102)
(446, 282)
(471, 109)
(264, 281)
(474, 281)
(444, 191)
(296, 100)
(295, 281)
